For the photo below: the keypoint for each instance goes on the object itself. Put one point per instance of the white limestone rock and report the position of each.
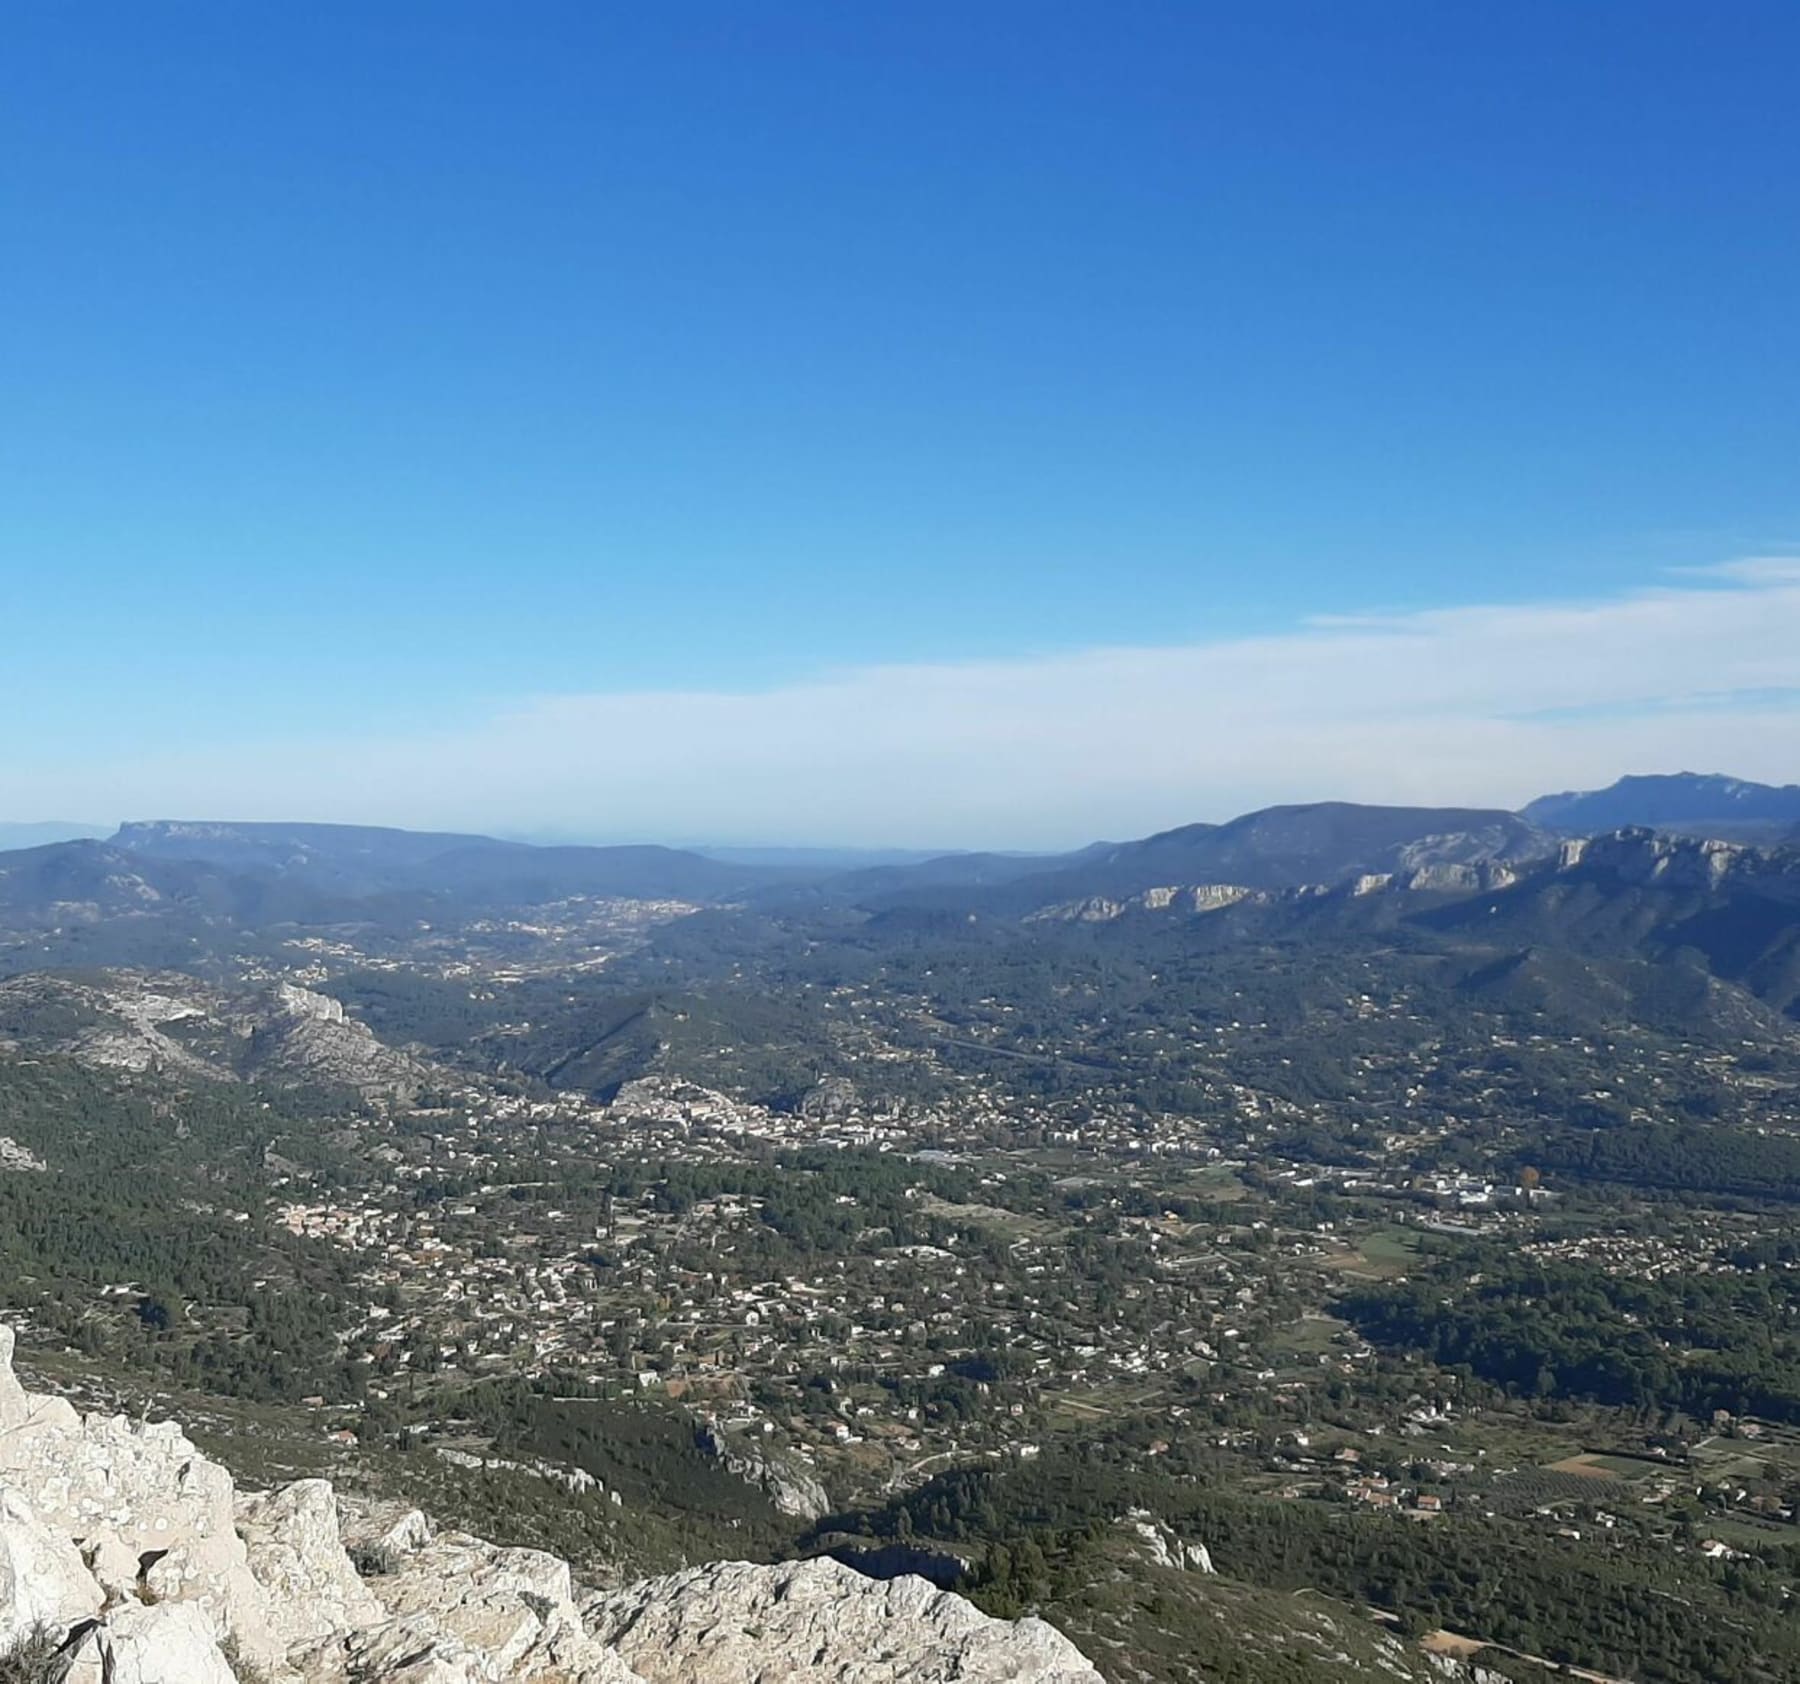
(165, 1643)
(304, 1003)
(788, 1484)
(1164, 1546)
(408, 1652)
(295, 1552)
(22, 1413)
(43, 1581)
(312, 1038)
(113, 1563)
(514, 1609)
(135, 1491)
(819, 1622)
(132, 1548)
(418, 1650)
(390, 1529)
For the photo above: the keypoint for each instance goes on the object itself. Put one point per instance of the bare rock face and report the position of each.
(313, 1039)
(819, 1622)
(1162, 1545)
(138, 1020)
(1196, 899)
(135, 1555)
(381, 1529)
(512, 1609)
(124, 1492)
(43, 1580)
(16, 1404)
(296, 1553)
(169, 1643)
(791, 1487)
(831, 1100)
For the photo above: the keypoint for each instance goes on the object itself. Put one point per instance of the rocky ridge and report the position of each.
(1691, 803)
(789, 1486)
(1197, 899)
(178, 1026)
(128, 1557)
(1635, 857)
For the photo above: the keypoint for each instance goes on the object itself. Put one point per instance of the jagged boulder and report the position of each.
(20, 1410)
(381, 1531)
(164, 1643)
(819, 1622)
(420, 1651)
(295, 1552)
(44, 1584)
(131, 1491)
(406, 1652)
(512, 1610)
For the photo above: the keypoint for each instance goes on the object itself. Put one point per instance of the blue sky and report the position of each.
(396, 373)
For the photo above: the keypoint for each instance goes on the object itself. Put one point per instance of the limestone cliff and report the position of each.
(128, 1557)
(190, 1030)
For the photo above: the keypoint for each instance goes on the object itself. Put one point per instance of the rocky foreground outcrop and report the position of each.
(136, 1560)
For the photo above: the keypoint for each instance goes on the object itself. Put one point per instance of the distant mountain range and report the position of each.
(1324, 843)
(1648, 910)
(1696, 936)
(1688, 803)
(368, 859)
(1278, 845)
(1281, 847)
(167, 891)
(171, 893)
(35, 835)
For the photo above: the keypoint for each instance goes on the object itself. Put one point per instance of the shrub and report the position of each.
(374, 1561)
(30, 1658)
(244, 1671)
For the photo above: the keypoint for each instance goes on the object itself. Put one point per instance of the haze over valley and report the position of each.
(939, 844)
(1087, 1232)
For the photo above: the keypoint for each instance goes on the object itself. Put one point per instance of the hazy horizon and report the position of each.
(969, 427)
(25, 833)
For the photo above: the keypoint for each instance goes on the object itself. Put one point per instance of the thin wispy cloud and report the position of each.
(1480, 704)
